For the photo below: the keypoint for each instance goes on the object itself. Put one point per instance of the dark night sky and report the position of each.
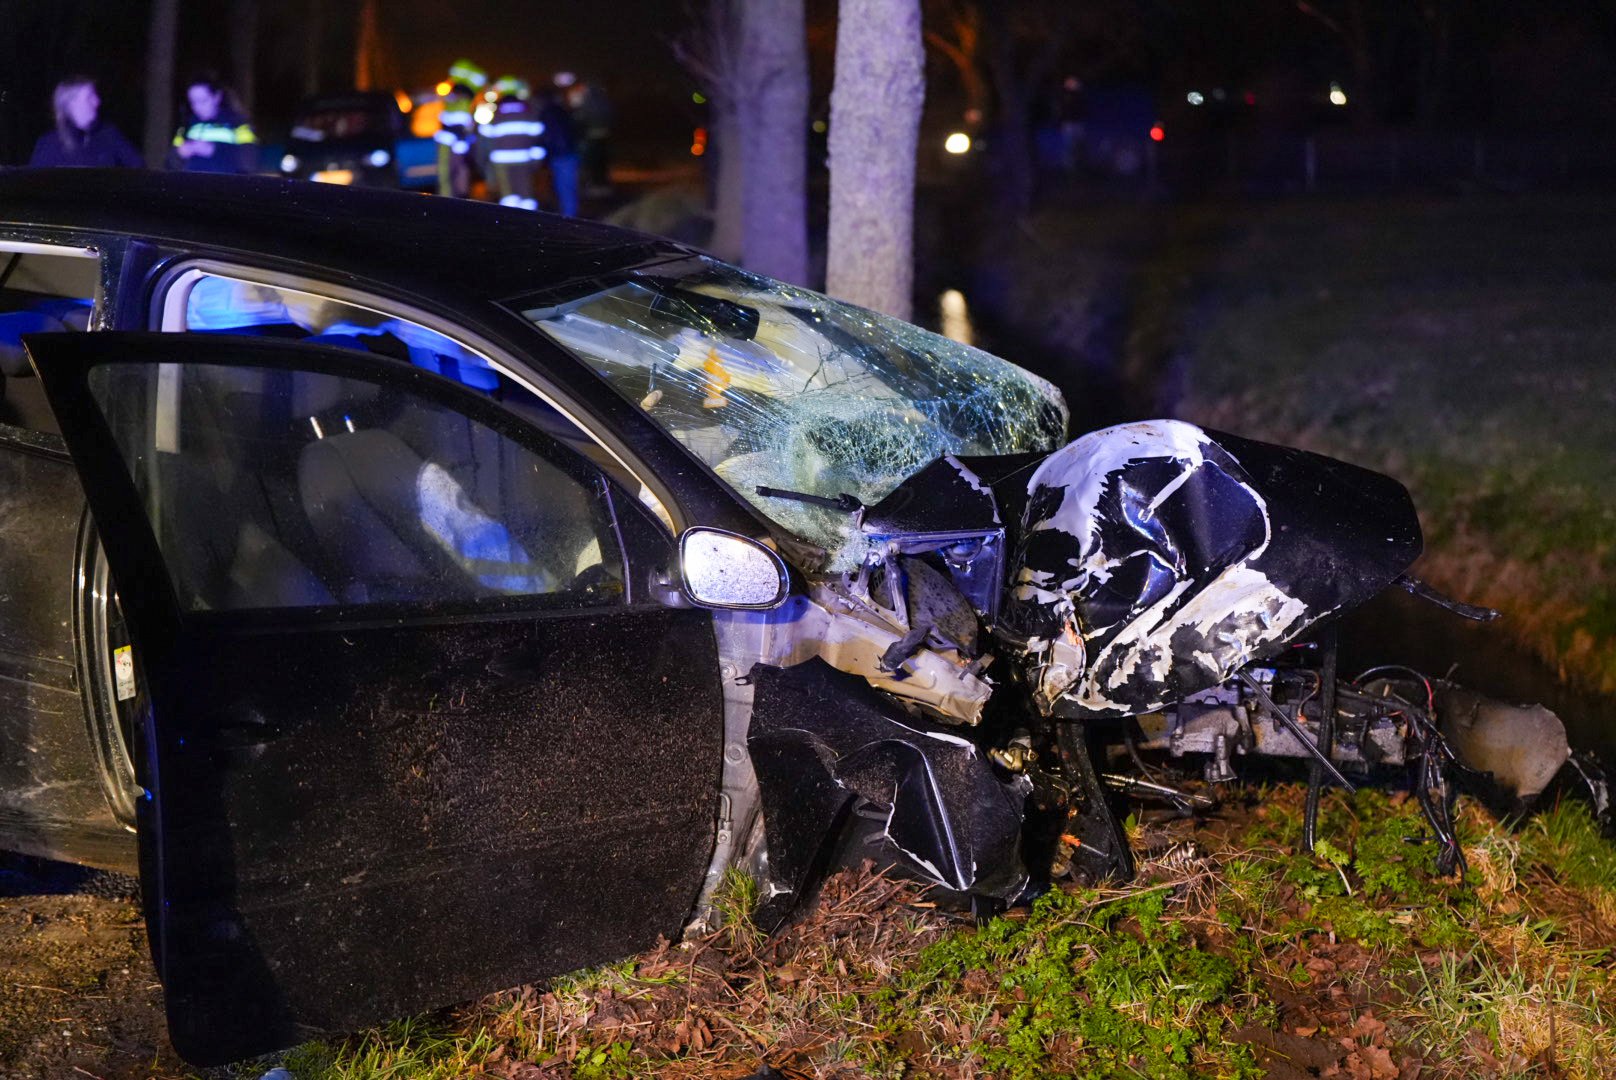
(624, 41)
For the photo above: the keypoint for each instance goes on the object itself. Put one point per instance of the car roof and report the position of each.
(427, 244)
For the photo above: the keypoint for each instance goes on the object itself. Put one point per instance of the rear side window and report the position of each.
(273, 488)
(40, 293)
(218, 304)
(211, 303)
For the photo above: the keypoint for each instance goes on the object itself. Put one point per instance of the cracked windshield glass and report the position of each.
(778, 387)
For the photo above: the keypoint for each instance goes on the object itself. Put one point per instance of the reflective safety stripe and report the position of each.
(534, 128)
(449, 119)
(468, 73)
(508, 157)
(460, 146)
(511, 200)
(444, 137)
(537, 153)
(239, 135)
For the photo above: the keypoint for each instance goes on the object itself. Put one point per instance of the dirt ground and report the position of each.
(78, 996)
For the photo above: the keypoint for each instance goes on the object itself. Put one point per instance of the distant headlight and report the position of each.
(378, 158)
(957, 143)
(289, 163)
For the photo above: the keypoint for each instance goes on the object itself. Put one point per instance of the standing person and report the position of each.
(81, 140)
(512, 138)
(591, 114)
(216, 137)
(559, 148)
(457, 128)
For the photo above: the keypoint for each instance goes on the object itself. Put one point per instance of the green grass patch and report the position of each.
(1089, 986)
(1566, 840)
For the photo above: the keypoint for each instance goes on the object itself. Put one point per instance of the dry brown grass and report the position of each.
(723, 1005)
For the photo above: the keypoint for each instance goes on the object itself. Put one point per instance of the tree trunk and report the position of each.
(774, 139)
(1436, 56)
(315, 32)
(374, 68)
(728, 232)
(1364, 72)
(161, 35)
(875, 104)
(244, 50)
(1011, 152)
(710, 50)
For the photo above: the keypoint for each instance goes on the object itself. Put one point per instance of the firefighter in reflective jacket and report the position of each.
(457, 129)
(510, 143)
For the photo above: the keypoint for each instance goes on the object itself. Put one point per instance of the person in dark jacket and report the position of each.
(558, 148)
(216, 137)
(81, 140)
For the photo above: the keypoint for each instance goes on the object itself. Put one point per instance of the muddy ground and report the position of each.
(78, 996)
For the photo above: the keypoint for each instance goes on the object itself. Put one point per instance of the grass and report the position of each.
(1462, 345)
(1233, 953)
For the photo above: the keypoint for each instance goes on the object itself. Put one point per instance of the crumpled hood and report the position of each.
(1155, 559)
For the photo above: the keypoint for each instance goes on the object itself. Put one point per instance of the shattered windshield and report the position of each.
(775, 386)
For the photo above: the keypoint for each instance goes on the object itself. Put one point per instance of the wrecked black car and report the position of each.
(426, 597)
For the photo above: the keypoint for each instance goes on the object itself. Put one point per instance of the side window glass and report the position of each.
(225, 305)
(218, 304)
(276, 488)
(40, 293)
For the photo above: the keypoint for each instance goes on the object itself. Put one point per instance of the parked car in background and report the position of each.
(362, 140)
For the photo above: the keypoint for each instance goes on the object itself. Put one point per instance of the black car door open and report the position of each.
(414, 725)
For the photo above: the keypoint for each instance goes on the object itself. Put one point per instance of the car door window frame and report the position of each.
(168, 314)
(639, 537)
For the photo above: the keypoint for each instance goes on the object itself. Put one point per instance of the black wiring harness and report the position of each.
(1432, 765)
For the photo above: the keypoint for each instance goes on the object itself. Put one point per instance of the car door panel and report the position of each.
(362, 811)
(479, 780)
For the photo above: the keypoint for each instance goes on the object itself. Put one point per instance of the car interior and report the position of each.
(40, 293)
(331, 490)
(278, 488)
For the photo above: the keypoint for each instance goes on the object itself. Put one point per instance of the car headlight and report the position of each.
(378, 158)
(289, 163)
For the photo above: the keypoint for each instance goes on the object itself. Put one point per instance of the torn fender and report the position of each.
(821, 738)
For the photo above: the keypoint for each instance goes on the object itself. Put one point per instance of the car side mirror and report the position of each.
(722, 569)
